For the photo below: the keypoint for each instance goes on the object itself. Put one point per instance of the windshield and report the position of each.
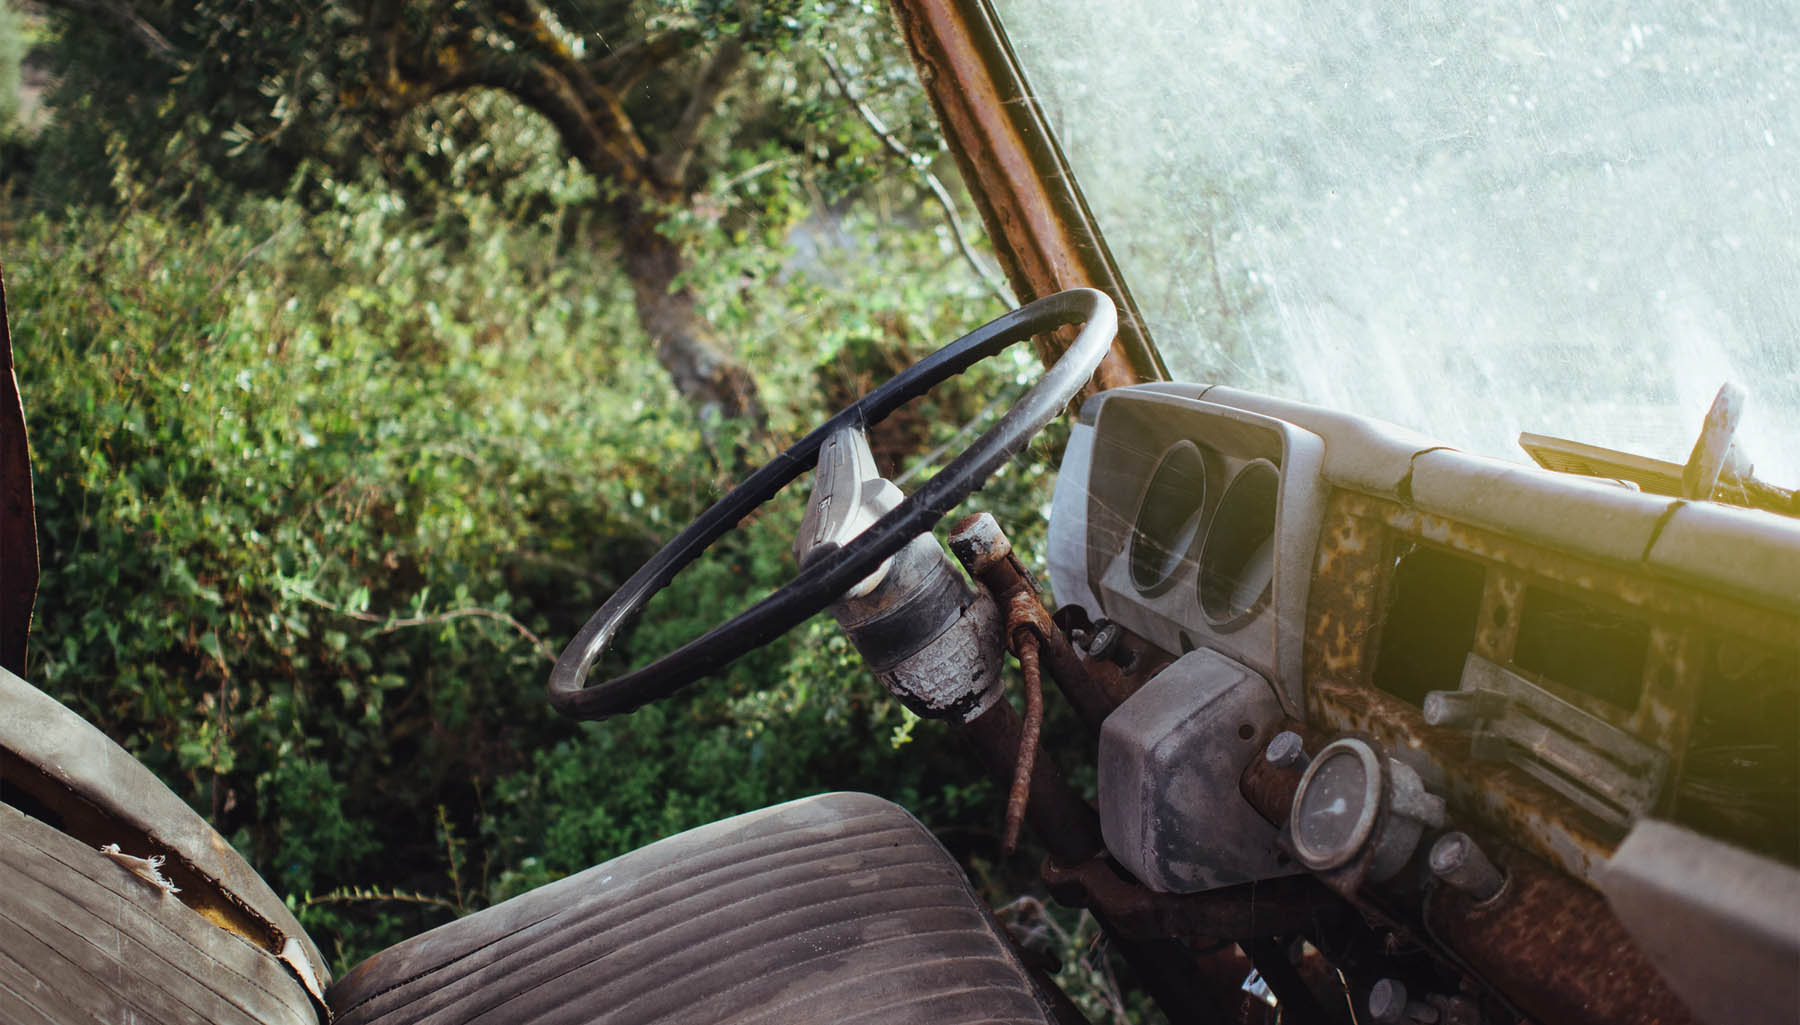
(1474, 220)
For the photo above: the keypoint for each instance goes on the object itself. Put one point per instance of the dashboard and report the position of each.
(1552, 668)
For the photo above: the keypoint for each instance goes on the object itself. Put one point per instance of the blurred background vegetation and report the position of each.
(366, 348)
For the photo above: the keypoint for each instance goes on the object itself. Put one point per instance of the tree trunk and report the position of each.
(706, 374)
(589, 115)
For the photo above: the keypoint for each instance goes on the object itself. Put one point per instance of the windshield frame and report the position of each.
(1040, 226)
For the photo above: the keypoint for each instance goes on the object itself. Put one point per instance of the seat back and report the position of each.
(82, 913)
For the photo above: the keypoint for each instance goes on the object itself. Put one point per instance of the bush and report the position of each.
(322, 487)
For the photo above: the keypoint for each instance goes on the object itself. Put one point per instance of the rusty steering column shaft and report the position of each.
(1032, 637)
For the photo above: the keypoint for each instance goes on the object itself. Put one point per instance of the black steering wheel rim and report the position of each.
(826, 578)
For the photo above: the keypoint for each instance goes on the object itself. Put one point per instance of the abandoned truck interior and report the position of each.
(1388, 719)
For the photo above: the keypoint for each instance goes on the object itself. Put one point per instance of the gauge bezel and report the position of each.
(1170, 485)
(1374, 786)
(1236, 530)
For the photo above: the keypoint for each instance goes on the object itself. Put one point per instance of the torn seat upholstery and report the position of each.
(838, 908)
(83, 937)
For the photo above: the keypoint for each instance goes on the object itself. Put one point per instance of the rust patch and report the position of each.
(1343, 633)
(1501, 795)
(1555, 949)
(984, 550)
(1350, 576)
(1497, 629)
(1665, 714)
(1627, 586)
(1270, 908)
(1270, 788)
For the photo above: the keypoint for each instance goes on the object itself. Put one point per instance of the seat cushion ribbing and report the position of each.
(84, 940)
(837, 908)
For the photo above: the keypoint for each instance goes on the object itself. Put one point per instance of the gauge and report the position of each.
(1237, 563)
(1168, 517)
(1354, 803)
(1336, 804)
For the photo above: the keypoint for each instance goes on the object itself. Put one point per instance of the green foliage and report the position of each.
(274, 465)
(321, 489)
(1089, 972)
(330, 463)
(219, 99)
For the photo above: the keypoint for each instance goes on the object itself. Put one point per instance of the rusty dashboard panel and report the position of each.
(1402, 598)
(1559, 657)
(1496, 682)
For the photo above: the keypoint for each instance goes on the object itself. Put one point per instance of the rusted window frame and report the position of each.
(1042, 230)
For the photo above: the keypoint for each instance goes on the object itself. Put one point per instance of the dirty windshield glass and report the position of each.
(1474, 220)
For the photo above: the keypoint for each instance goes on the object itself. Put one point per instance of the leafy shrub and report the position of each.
(323, 486)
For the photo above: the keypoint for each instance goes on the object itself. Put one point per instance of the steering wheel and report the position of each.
(826, 578)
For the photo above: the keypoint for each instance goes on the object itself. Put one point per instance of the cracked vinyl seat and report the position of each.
(837, 908)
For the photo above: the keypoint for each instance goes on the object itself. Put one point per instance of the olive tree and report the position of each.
(652, 100)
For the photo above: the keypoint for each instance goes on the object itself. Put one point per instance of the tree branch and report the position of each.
(382, 24)
(390, 624)
(359, 894)
(589, 116)
(938, 192)
(519, 53)
(672, 163)
(601, 137)
(131, 21)
(623, 66)
(523, 22)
